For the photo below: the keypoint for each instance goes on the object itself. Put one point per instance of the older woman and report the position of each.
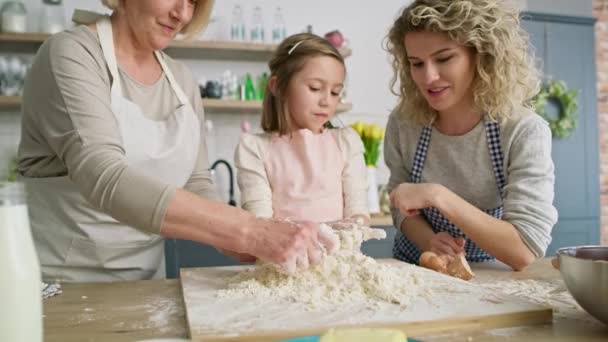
(470, 163)
(114, 157)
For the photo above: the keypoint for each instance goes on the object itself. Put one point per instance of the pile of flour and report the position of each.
(345, 276)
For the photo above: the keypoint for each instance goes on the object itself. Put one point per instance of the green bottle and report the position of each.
(249, 88)
(261, 89)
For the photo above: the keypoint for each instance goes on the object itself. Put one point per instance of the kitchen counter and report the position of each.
(131, 311)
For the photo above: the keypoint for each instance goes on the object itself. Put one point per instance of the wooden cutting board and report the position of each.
(455, 305)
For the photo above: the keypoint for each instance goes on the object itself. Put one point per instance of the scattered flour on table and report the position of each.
(165, 311)
(50, 290)
(344, 276)
(549, 293)
(156, 313)
(160, 313)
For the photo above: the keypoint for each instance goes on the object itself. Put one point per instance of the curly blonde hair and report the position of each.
(288, 60)
(506, 74)
(200, 18)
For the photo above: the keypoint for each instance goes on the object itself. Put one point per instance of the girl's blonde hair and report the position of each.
(506, 75)
(288, 60)
(200, 18)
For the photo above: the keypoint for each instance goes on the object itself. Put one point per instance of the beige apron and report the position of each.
(77, 242)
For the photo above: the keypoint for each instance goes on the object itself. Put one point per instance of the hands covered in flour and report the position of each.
(291, 246)
(353, 232)
(326, 242)
(238, 256)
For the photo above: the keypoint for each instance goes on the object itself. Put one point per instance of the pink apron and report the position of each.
(305, 174)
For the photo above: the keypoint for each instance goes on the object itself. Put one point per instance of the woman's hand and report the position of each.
(289, 245)
(238, 256)
(443, 243)
(409, 198)
(455, 266)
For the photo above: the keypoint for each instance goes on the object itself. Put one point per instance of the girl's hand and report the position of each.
(409, 198)
(443, 243)
(349, 223)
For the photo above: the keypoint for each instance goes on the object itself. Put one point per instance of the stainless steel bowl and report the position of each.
(585, 272)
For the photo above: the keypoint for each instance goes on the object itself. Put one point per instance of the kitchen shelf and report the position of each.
(206, 49)
(23, 37)
(211, 105)
(10, 102)
(381, 220)
(217, 105)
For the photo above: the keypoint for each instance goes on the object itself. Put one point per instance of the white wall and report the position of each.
(368, 68)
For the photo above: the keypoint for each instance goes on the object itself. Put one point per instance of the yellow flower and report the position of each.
(376, 132)
(358, 126)
(371, 136)
(372, 132)
(367, 132)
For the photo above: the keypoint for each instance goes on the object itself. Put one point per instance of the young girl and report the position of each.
(463, 149)
(299, 168)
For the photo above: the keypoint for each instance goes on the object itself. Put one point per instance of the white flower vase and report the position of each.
(373, 201)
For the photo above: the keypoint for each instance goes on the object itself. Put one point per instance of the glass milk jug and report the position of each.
(20, 283)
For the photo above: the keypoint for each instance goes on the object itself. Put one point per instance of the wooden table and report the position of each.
(132, 311)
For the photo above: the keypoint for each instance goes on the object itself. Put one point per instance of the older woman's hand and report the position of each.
(238, 256)
(289, 245)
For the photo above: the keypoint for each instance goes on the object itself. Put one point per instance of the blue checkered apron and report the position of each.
(404, 249)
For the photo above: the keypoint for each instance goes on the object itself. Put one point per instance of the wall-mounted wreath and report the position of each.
(556, 91)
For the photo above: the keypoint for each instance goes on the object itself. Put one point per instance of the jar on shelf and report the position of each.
(13, 17)
(12, 75)
(52, 19)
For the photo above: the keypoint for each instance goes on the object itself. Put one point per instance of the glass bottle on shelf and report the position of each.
(262, 81)
(249, 88)
(237, 26)
(52, 19)
(257, 26)
(279, 31)
(21, 285)
(225, 83)
(235, 87)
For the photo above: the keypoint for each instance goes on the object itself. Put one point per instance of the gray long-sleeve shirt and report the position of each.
(68, 129)
(463, 165)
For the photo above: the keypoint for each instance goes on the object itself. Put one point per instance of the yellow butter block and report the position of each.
(363, 335)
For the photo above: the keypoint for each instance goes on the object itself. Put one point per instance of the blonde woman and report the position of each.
(113, 153)
(471, 168)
